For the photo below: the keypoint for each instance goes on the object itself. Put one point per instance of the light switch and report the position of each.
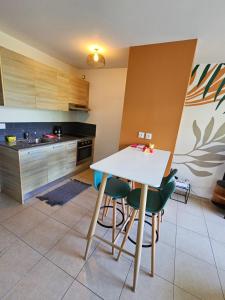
(2, 125)
(141, 135)
(148, 136)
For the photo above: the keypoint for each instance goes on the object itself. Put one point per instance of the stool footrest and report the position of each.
(112, 244)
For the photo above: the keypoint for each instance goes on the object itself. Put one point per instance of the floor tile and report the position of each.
(68, 253)
(80, 292)
(83, 225)
(45, 208)
(164, 259)
(194, 244)
(219, 253)
(103, 274)
(24, 221)
(212, 213)
(216, 231)
(6, 239)
(69, 214)
(147, 288)
(14, 264)
(191, 222)
(44, 281)
(180, 294)
(170, 212)
(45, 235)
(197, 277)
(222, 279)
(193, 207)
(8, 207)
(168, 233)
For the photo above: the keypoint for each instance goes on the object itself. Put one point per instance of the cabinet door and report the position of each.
(79, 93)
(71, 157)
(63, 93)
(17, 80)
(47, 88)
(33, 168)
(57, 162)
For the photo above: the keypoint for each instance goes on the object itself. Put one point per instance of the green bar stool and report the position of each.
(115, 189)
(156, 200)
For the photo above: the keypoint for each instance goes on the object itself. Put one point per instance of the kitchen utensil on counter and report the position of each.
(10, 138)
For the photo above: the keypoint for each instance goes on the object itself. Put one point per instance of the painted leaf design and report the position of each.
(198, 172)
(194, 70)
(219, 89)
(220, 132)
(197, 133)
(210, 157)
(205, 71)
(215, 149)
(222, 140)
(220, 102)
(211, 80)
(208, 130)
(205, 164)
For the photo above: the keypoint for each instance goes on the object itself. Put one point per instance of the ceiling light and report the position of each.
(96, 59)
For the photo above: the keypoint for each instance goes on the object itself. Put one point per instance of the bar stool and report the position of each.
(115, 189)
(156, 200)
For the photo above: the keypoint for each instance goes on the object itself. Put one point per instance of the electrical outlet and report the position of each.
(2, 125)
(148, 136)
(141, 135)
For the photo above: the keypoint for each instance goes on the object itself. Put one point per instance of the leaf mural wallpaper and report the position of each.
(210, 146)
(207, 84)
(200, 148)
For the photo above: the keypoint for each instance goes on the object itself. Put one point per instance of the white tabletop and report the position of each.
(135, 165)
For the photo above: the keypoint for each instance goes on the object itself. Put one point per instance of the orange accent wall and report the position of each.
(157, 81)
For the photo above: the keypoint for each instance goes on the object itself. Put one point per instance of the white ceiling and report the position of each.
(65, 28)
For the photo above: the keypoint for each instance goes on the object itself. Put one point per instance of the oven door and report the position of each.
(84, 153)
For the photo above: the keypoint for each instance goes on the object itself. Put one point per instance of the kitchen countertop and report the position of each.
(24, 144)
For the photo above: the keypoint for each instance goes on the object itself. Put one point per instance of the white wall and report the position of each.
(28, 115)
(107, 87)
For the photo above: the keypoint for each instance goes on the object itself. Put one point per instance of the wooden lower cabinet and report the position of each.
(24, 171)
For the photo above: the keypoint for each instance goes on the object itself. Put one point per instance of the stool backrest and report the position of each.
(167, 179)
(98, 179)
(166, 192)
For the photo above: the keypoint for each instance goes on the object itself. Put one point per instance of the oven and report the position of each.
(84, 151)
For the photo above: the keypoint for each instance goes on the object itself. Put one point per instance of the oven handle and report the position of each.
(82, 147)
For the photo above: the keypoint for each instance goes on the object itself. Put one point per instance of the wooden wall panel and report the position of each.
(156, 86)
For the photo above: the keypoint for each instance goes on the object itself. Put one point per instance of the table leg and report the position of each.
(137, 260)
(94, 220)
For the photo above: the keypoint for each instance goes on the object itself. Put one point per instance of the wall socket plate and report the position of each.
(2, 126)
(141, 134)
(148, 135)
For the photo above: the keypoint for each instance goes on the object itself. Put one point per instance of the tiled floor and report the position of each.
(42, 248)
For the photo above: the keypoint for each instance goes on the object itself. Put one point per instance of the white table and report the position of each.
(132, 164)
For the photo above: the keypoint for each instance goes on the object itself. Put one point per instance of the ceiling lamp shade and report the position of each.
(96, 60)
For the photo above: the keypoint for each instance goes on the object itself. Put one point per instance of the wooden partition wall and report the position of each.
(156, 86)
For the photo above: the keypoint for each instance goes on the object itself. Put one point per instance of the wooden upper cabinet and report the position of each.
(18, 82)
(27, 83)
(46, 84)
(79, 92)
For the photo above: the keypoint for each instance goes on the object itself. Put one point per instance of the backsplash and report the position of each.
(68, 128)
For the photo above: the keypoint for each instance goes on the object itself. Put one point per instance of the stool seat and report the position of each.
(116, 188)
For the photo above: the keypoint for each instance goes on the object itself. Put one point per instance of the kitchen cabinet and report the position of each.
(79, 92)
(56, 162)
(33, 168)
(27, 83)
(18, 81)
(71, 157)
(24, 171)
